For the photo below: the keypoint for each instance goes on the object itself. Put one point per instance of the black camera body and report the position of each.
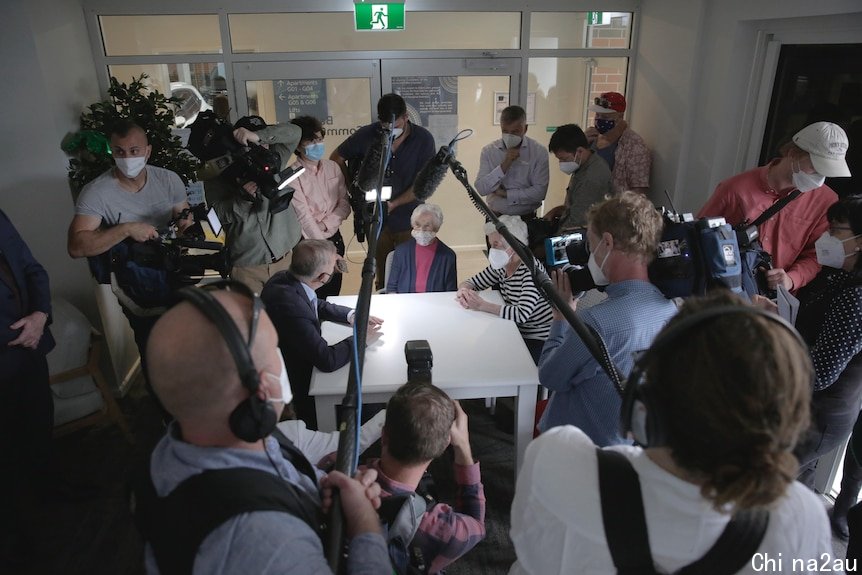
(569, 252)
(211, 141)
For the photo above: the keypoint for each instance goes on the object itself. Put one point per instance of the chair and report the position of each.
(81, 394)
(387, 267)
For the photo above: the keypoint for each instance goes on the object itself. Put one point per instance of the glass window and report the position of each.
(197, 85)
(154, 35)
(564, 89)
(335, 31)
(568, 30)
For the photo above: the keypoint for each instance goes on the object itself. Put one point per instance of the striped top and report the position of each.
(523, 302)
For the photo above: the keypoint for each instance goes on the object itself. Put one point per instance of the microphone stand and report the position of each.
(540, 277)
(345, 461)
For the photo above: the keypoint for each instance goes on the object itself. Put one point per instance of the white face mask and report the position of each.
(396, 132)
(284, 383)
(423, 238)
(830, 250)
(131, 167)
(569, 167)
(511, 140)
(599, 277)
(498, 258)
(806, 182)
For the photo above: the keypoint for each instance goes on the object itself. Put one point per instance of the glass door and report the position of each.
(446, 96)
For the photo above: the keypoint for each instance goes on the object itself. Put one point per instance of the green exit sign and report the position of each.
(370, 16)
(594, 18)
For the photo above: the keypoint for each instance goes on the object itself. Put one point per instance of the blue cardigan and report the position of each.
(441, 276)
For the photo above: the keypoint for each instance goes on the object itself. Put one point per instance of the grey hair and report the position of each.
(516, 225)
(309, 256)
(432, 209)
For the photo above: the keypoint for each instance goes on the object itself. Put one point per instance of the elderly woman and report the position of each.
(523, 303)
(320, 199)
(717, 424)
(424, 263)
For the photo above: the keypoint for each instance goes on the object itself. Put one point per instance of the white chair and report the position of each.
(387, 267)
(81, 394)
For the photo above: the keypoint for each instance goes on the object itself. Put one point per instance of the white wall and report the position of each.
(48, 77)
(692, 81)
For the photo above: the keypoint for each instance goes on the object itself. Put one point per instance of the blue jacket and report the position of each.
(299, 336)
(441, 276)
(32, 282)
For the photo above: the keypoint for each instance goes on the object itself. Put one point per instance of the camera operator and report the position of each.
(259, 241)
(589, 181)
(412, 148)
(817, 151)
(623, 234)
(129, 201)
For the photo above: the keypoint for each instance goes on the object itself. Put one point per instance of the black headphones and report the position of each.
(253, 418)
(641, 413)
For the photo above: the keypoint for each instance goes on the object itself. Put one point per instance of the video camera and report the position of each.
(569, 252)
(211, 141)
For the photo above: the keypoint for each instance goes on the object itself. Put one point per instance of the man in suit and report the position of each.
(26, 406)
(297, 313)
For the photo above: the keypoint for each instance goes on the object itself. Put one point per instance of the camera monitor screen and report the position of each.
(214, 222)
(555, 248)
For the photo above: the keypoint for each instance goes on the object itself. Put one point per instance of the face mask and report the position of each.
(131, 167)
(569, 167)
(396, 132)
(830, 250)
(284, 383)
(498, 258)
(511, 140)
(314, 152)
(805, 182)
(605, 126)
(599, 277)
(423, 238)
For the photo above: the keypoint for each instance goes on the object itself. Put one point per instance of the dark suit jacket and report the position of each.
(32, 282)
(441, 276)
(298, 330)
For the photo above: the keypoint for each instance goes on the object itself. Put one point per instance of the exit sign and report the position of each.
(594, 18)
(370, 16)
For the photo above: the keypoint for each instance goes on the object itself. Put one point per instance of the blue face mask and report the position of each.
(314, 152)
(604, 126)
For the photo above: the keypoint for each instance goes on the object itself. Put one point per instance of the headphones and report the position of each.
(253, 418)
(641, 413)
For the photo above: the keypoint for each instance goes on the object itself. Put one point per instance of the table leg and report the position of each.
(524, 422)
(325, 407)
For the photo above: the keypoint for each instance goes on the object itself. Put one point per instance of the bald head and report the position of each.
(190, 366)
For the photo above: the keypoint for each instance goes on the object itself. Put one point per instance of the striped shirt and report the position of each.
(523, 302)
(446, 532)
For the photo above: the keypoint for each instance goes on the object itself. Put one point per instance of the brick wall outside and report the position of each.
(609, 78)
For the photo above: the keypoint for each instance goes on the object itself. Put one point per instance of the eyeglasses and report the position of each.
(840, 228)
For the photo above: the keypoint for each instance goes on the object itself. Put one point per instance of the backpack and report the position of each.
(626, 529)
(177, 524)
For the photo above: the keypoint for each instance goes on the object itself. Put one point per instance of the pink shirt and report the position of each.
(790, 234)
(424, 257)
(320, 200)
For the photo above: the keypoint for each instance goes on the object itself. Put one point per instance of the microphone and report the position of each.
(366, 177)
(432, 173)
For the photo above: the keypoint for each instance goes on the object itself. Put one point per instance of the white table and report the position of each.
(476, 355)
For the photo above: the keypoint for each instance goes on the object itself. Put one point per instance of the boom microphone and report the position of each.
(432, 173)
(366, 177)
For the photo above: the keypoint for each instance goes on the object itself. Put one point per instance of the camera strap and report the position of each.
(776, 207)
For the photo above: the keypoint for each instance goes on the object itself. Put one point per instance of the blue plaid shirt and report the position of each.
(583, 394)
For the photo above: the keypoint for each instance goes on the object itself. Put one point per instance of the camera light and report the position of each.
(371, 195)
(290, 173)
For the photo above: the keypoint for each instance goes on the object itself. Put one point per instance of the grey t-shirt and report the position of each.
(153, 204)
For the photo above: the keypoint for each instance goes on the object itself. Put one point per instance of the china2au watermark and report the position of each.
(777, 563)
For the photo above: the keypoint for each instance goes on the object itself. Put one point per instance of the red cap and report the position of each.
(609, 102)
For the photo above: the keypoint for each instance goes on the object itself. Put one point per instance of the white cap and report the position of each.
(826, 144)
